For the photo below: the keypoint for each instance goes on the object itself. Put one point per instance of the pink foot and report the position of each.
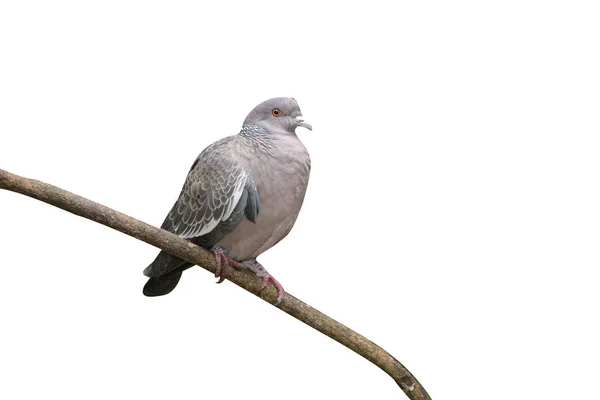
(223, 263)
(260, 271)
(280, 291)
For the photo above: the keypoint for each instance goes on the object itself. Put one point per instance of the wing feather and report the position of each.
(210, 194)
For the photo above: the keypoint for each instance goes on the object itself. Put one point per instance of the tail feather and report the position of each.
(164, 273)
(161, 285)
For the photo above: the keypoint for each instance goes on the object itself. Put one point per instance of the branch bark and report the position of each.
(245, 279)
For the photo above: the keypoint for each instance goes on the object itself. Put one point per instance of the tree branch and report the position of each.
(245, 279)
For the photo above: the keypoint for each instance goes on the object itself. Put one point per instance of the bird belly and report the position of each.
(248, 240)
(280, 199)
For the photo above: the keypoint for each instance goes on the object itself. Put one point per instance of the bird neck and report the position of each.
(259, 136)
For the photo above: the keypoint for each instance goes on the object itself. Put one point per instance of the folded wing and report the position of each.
(212, 190)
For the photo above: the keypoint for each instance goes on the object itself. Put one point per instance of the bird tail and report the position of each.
(164, 273)
(161, 285)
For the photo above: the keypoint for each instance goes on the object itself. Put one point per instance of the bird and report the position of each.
(241, 197)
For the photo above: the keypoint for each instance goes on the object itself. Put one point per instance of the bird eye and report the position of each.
(276, 112)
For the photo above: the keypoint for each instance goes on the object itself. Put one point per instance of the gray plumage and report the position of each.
(243, 192)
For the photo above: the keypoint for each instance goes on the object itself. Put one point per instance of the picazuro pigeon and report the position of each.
(241, 196)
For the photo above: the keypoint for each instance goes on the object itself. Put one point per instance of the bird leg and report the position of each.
(223, 263)
(260, 271)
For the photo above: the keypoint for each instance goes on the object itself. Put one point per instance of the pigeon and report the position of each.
(241, 196)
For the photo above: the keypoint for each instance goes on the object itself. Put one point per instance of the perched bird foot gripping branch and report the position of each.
(241, 197)
(223, 263)
(260, 271)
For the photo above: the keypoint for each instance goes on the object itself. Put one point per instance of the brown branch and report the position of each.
(245, 279)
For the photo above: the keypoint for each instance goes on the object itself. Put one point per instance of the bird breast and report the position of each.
(281, 177)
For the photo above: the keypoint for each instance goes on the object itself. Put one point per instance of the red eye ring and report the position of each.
(275, 112)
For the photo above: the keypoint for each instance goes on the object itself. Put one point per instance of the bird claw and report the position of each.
(261, 272)
(280, 291)
(223, 263)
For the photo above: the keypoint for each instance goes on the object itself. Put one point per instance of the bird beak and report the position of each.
(300, 122)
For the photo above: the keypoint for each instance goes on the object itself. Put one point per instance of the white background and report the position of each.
(452, 215)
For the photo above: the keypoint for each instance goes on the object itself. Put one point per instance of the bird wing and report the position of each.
(212, 189)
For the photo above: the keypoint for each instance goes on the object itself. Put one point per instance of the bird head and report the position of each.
(280, 114)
